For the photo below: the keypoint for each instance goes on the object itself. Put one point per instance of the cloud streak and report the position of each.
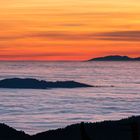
(52, 35)
(120, 36)
(42, 54)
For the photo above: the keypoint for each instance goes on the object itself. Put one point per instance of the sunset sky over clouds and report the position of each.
(68, 29)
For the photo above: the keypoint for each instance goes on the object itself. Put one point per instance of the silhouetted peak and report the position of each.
(115, 58)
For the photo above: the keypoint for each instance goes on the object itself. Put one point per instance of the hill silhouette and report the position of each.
(9, 133)
(115, 58)
(125, 129)
(29, 83)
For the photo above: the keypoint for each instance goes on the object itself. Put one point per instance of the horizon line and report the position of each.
(65, 60)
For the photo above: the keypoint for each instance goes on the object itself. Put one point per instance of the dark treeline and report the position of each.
(125, 129)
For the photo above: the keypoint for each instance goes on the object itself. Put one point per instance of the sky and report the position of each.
(68, 29)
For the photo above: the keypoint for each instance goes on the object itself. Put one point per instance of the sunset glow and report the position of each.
(68, 29)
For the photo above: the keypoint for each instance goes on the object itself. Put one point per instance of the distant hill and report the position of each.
(115, 58)
(29, 83)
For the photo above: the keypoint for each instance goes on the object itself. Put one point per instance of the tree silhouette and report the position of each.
(84, 135)
(135, 131)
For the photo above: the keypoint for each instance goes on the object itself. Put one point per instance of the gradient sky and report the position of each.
(68, 29)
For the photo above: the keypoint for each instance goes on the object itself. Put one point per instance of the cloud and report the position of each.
(41, 54)
(50, 35)
(120, 36)
(53, 35)
(62, 35)
(71, 25)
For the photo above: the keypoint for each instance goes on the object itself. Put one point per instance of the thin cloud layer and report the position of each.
(41, 54)
(110, 36)
(120, 36)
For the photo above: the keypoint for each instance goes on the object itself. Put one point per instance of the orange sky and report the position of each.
(68, 29)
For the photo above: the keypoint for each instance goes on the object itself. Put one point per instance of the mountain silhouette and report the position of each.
(9, 133)
(125, 129)
(29, 83)
(115, 58)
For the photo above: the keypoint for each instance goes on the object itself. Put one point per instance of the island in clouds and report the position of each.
(29, 83)
(115, 58)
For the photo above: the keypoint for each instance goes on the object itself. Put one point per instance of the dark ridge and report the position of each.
(9, 133)
(39, 84)
(115, 58)
(125, 129)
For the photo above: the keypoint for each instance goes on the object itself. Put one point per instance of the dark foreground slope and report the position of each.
(29, 83)
(9, 133)
(115, 58)
(126, 129)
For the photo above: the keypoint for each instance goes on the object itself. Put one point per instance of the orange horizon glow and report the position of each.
(57, 30)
